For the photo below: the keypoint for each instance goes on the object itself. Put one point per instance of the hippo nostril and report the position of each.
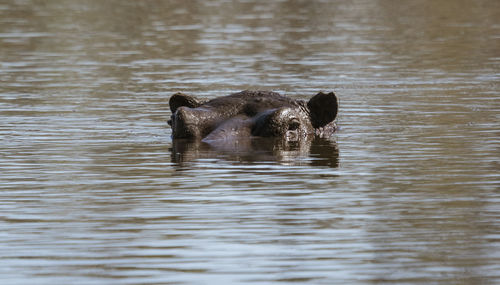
(293, 124)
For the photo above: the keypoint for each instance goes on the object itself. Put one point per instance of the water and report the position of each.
(94, 191)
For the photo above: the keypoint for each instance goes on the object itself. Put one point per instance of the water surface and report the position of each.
(94, 191)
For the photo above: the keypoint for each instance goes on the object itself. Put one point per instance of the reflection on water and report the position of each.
(316, 152)
(94, 190)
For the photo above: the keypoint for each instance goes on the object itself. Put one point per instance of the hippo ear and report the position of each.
(323, 109)
(179, 99)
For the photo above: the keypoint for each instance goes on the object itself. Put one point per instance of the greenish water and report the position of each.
(94, 191)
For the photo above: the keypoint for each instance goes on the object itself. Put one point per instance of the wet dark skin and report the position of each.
(249, 114)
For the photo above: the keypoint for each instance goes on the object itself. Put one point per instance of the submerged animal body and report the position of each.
(249, 114)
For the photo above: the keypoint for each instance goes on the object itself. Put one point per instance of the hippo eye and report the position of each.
(293, 124)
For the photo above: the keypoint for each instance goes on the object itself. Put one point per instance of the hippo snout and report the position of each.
(185, 123)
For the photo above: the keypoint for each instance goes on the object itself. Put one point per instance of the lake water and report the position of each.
(94, 191)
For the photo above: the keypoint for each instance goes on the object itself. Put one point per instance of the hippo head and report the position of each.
(253, 114)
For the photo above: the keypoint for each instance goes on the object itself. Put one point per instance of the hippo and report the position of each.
(250, 114)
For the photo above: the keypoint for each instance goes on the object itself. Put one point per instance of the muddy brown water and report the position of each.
(94, 191)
